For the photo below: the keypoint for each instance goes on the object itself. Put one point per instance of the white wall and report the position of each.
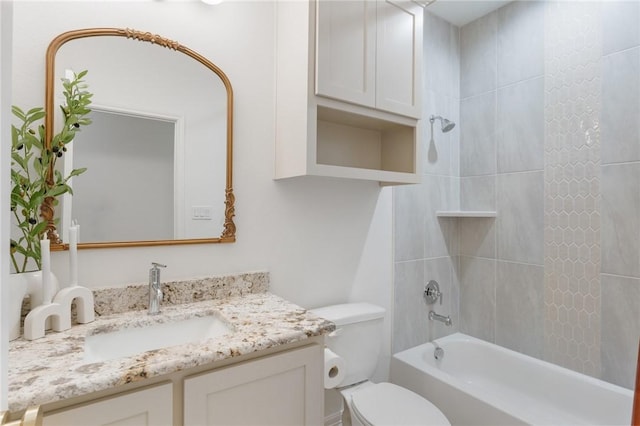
(319, 238)
(5, 97)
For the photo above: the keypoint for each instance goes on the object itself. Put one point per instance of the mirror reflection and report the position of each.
(158, 153)
(139, 202)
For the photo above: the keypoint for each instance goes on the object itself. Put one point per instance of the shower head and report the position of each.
(446, 125)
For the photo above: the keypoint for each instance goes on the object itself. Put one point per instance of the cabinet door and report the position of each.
(399, 57)
(282, 389)
(345, 50)
(151, 407)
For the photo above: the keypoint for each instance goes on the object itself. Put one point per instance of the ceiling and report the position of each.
(461, 12)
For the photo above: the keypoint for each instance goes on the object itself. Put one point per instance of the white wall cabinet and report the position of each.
(348, 89)
(346, 51)
(369, 53)
(151, 406)
(278, 390)
(399, 57)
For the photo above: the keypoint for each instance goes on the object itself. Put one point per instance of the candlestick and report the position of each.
(47, 291)
(73, 253)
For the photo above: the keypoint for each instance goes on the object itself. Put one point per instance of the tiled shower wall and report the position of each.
(620, 191)
(555, 149)
(423, 244)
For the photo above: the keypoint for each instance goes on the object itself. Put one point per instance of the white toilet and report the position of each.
(358, 340)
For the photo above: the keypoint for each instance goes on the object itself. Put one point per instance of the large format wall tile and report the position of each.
(477, 136)
(477, 277)
(520, 220)
(477, 237)
(520, 41)
(520, 307)
(409, 309)
(478, 193)
(410, 207)
(478, 54)
(620, 25)
(411, 312)
(440, 48)
(454, 109)
(620, 134)
(438, 147)
(439, 191)
(621, 219)
(520, 126)
(441, 270)
(620, 329)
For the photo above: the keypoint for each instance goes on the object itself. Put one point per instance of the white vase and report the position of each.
(20, 285)
(34, 287)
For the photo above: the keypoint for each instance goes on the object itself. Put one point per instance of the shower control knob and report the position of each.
(432, 292)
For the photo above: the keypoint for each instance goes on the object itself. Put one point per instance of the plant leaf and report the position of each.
(18, 112)
(77, 172)
(57, 190)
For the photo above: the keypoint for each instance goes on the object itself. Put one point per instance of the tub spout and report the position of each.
(446, 320)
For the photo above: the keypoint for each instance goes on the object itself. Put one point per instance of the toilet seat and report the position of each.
(389, 404)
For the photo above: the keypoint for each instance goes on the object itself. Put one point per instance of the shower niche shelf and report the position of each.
(466, 213)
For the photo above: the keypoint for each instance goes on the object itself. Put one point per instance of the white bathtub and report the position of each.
(479, 383)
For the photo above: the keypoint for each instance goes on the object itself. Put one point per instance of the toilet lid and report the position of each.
(389, 404)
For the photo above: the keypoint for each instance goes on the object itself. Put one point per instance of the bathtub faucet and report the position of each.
(446, 320)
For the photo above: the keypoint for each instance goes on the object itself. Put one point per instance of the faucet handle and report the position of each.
(154, 273)
(432, 292)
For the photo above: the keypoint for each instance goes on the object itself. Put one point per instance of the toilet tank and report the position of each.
(357, 338)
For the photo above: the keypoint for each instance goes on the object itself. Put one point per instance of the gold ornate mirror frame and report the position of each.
(47, 210)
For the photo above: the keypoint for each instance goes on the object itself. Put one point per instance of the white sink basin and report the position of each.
(130, 341)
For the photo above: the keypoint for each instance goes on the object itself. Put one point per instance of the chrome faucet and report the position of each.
(431, 295)
(446, 320)
(155, 288)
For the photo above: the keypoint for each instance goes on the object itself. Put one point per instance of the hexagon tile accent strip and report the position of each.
(573, 49)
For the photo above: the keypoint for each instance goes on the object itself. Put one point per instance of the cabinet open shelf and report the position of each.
(364, 147)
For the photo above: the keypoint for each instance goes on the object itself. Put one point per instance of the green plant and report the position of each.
(34, 176)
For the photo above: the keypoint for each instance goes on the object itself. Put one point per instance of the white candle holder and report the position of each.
(59, 309)
(60, 312)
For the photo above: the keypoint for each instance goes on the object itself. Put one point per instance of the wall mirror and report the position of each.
(159, 151)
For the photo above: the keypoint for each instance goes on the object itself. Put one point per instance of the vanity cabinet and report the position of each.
(282, 387)
(348, 84)
(151, 406)
(275, 390)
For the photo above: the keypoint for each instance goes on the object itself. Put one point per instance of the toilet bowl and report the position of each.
(371, 404)
(358, 340)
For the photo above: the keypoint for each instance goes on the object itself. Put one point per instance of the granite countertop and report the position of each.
(52, 368)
